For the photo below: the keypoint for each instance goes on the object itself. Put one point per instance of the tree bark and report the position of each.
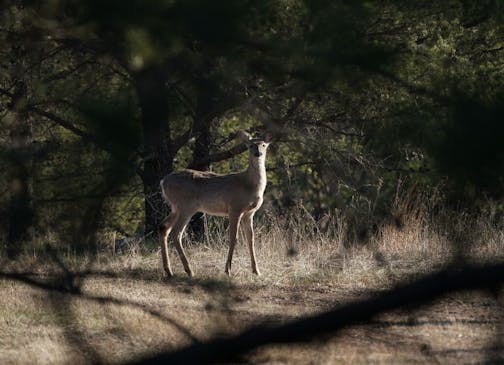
(20, 212)
(202, 122)
(158, 153)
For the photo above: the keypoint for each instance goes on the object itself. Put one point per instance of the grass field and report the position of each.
(125, 308)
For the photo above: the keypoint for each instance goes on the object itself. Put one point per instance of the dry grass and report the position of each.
(127, 308)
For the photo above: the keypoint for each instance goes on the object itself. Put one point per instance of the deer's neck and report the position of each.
(256, 173)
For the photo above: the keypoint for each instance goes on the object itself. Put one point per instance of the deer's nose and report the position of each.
(258, 154)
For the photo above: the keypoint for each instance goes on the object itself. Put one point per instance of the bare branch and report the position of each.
(221, 156)
(68, 126)
(57, 119)
(236, 150)
(63, 74)
(66, 287)
(181, 140)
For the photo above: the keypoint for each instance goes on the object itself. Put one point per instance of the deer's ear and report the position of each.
(269, 138)
(243, 136)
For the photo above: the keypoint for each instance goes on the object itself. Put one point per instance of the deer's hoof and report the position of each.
(169, 273)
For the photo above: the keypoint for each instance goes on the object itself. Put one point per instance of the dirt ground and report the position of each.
(120, 316)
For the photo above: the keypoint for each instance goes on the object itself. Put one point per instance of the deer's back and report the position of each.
(207, 191)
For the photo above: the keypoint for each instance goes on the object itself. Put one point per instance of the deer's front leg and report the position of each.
(248, 226)
(234, 222)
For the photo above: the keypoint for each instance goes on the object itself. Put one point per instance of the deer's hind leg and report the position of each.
(164, 231)
(178, 231)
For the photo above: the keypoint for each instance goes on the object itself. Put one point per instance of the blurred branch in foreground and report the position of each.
(415, 294)
(68, 282)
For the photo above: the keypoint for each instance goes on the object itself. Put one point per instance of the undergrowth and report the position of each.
(297, 248)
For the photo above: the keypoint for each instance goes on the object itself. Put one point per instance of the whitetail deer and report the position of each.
(237, 196)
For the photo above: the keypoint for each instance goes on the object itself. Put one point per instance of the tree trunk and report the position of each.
(157, 152)
(20, 212)
(201, 150)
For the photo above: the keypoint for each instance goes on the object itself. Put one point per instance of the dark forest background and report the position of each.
(100, 99)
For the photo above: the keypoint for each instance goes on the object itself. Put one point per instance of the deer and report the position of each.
(236, 196)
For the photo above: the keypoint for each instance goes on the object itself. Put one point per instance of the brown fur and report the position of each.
(237, 196)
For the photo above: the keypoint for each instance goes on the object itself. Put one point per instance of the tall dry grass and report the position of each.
(124, 305)
(297, 248)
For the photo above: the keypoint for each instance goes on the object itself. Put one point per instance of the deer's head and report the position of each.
(257, 146)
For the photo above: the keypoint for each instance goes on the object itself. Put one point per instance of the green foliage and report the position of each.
(360, 95)
(469, 147)
(114, 120)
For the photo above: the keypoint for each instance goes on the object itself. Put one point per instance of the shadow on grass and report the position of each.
(61, 286)
(63, 283)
